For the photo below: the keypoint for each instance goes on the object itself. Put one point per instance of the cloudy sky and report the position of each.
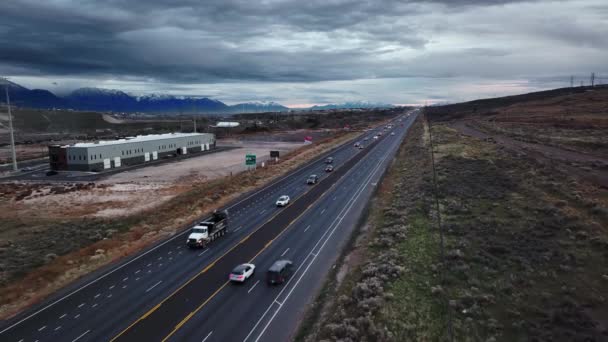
(304, 52)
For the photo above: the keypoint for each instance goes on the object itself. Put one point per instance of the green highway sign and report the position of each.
(250, 159)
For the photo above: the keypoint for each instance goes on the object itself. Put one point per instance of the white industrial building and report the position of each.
(103, 155)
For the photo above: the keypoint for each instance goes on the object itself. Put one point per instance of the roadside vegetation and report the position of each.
(525, 250)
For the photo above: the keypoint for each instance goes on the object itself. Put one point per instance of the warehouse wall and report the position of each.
(92, 158)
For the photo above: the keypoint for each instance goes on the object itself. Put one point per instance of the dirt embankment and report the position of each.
(525, 251)
(40, 254)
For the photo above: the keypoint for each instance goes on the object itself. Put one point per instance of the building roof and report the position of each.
(139, 138)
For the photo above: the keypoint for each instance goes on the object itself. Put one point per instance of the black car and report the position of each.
(279, 272)
(51, 173)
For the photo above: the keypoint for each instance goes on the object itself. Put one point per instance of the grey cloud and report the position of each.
(230, 41)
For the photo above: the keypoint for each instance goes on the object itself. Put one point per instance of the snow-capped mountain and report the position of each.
(352, 105)
(110, 100)
(101, 100)
(258, 107)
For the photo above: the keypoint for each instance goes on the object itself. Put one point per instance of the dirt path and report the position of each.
(589, 167)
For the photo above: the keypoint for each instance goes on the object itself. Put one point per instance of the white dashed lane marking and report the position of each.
(205, 339)
(81, 336)
(253, 286)
(153, 286)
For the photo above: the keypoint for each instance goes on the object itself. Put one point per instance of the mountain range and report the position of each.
(108, 100)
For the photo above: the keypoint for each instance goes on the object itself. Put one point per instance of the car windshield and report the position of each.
(282, 198)
(199, 230)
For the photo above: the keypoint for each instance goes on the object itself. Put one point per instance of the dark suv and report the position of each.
(312, 179)
(279, 272)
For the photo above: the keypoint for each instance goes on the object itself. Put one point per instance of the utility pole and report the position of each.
(571, 81)
(10, 125)
(194, 125)
(592, 79)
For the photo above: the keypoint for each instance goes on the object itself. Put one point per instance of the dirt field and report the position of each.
(24, 152)
(525, 244)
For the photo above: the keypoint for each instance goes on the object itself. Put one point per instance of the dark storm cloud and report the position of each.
(210, 41)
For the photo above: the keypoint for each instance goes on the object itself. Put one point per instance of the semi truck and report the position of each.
(207, 231)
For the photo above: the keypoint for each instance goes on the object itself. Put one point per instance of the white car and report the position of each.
(375, 137)
(242, 272)
(392, 133)
(283, 201)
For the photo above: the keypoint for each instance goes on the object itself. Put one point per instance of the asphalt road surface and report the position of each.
(171, 292)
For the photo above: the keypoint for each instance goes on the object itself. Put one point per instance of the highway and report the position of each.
(170, 292)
